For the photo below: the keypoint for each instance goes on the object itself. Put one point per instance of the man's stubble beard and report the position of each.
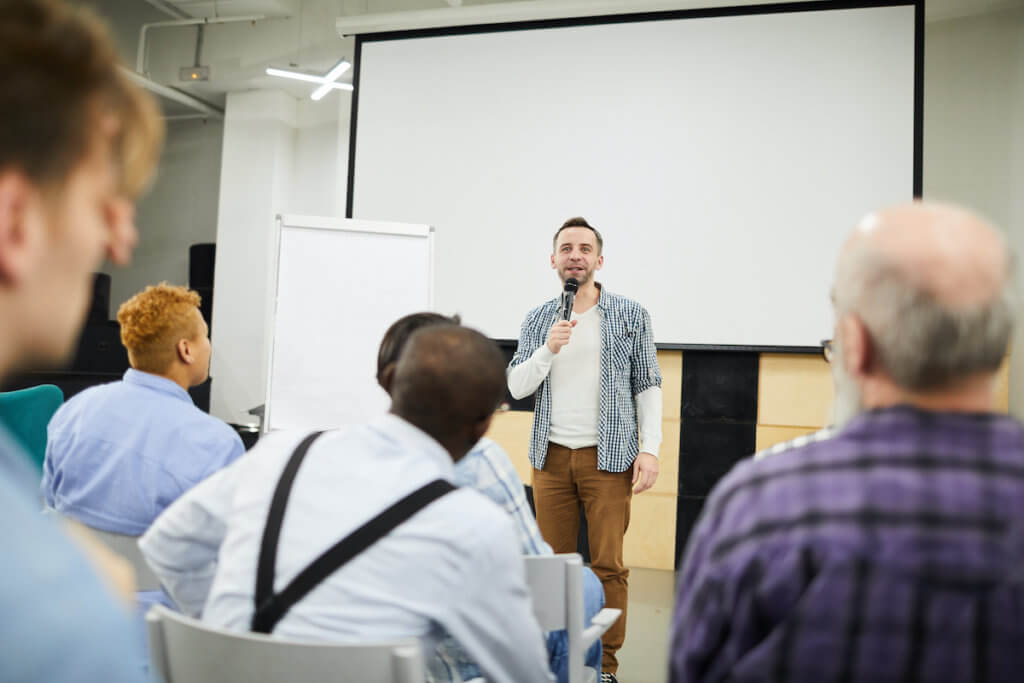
(584, 279)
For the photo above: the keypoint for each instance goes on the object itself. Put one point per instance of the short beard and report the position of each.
(582, 280)
(848, 402)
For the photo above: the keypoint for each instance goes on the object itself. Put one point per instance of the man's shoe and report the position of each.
(608, 678)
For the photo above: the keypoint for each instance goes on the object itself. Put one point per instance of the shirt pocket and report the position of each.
(622, 352)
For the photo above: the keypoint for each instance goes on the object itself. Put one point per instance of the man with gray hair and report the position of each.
(891, 550)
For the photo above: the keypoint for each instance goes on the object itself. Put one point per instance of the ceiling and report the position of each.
(936, 10)
(299, 35)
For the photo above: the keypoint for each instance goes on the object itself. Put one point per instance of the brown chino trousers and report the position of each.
(570, 476)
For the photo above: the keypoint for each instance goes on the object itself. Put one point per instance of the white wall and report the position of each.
(180, 210)
(973, 153)
(974, 129)
(280, 156)
(314, 187)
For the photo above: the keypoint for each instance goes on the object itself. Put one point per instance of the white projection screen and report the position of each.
(724, 155)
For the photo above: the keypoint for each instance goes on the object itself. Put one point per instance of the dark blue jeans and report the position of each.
(558, 641)
(454, 659)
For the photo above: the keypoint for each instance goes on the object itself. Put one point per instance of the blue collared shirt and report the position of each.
(59, 623)
(487, 469)
(119, 453)
(629, 366)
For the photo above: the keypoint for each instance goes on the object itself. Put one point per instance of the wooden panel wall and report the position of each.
(651, 539)
(719, 407)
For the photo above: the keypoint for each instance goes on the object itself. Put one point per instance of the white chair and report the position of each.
(556, 584)
(184, 650)
(128, 548)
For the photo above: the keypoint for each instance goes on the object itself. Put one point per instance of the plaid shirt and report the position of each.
(629, 365)
(487, 469)
(893, 551)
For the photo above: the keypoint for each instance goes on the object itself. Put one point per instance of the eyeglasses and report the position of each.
(826, 350)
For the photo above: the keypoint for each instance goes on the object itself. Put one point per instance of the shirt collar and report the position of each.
(871, 421)
(405, 431)
(156, 383)
(603, 301)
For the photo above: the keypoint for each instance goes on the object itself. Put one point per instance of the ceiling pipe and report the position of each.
(174, 94)
(140, 59)
(169, 9)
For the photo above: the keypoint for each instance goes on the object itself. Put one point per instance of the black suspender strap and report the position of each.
(266, 566)
(271, 607)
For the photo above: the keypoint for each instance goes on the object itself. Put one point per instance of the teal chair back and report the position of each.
(26, 413)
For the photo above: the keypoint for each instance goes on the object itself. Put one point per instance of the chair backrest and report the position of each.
(184, 650)
(548, 577)
(27, 412)
(128, 548)
(556, 586)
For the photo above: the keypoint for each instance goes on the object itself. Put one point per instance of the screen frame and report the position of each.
(711, 12)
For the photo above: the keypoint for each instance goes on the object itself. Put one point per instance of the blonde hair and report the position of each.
(152, 323)
(59, 79)
(139, 139)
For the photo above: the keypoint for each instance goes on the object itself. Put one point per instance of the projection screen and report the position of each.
(724, 155)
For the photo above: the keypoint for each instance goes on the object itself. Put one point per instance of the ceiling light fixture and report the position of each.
(327, 82)
(331, 78)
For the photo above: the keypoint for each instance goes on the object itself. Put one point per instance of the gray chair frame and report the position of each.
(185, 650)
(556, 585)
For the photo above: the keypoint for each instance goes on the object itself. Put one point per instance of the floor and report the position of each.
(644, 656)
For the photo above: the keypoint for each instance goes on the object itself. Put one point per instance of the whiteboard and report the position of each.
(724, 158)
(340, 285)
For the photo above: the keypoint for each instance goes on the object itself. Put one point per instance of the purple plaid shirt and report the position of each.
(893, 551)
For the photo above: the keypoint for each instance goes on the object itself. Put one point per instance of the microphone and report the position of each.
(569, 296)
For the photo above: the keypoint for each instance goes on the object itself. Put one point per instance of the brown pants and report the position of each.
(570, 476)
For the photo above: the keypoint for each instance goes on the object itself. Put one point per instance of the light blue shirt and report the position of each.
(455, 565)
(60, 623)
(119, 453)
(487, 469)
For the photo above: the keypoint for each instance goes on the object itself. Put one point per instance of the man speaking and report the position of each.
(590, 357)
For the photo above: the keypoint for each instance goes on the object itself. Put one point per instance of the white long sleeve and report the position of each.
(181, 546)
(648, 414)
(524, 378)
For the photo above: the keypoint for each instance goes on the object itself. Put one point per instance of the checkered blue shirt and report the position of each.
(487, 469)
(629, 365)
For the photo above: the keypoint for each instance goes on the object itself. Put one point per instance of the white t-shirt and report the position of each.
(576, 384)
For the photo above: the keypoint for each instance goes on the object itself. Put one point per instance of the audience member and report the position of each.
(118, 454)
(488, 469)
(452, 567)
(78, 143)
(890, 550)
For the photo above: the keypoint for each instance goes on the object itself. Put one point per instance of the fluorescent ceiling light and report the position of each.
(296, 75)
(338, 69)
(327, 87)
(327, 82)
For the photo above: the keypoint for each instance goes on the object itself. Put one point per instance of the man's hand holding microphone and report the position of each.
(558, 335)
